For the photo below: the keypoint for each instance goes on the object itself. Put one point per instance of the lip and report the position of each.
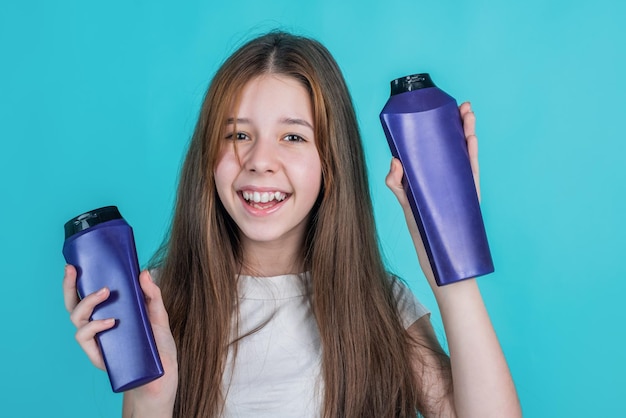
(260, 189)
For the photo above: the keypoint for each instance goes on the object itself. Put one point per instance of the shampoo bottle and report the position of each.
(424, 131)
(100, 244)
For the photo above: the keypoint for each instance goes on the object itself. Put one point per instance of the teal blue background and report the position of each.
(98, 101)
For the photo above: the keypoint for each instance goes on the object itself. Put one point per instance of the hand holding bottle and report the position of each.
(157, 395)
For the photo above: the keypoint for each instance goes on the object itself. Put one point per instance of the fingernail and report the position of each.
(102, 291)
(109, 321)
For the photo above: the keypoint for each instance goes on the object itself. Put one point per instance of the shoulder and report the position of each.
(409, 307)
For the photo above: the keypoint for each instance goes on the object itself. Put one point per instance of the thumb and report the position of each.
(394, 181)
(154, 301)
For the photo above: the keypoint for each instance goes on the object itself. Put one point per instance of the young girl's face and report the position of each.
(270, 181)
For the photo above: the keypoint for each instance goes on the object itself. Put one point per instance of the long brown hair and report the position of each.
(365, 361)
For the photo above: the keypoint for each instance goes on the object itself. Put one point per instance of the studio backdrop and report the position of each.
(99, 99)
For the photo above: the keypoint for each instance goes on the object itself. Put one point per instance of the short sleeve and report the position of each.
(409, 307)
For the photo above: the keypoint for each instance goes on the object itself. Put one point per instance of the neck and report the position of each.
(271, 259)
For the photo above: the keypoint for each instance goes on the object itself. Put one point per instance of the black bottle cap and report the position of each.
(410, 83)
(91, 218)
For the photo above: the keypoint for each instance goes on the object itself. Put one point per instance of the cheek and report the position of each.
(225, 173)
(311, 176)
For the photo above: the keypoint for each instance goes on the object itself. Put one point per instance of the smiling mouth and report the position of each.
(263, 200)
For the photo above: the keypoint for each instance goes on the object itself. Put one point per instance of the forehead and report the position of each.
(275, 95)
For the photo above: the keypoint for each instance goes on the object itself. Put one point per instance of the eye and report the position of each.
(239, 136)
(293, 138)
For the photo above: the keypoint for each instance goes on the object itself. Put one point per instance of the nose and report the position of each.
(261, 157)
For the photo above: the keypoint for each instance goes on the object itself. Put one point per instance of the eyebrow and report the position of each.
(283, 121)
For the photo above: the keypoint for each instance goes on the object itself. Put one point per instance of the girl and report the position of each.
(272, 296)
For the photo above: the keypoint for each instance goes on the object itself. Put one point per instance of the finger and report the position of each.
(469, 129)
(469, 119)
(464, 107)
(83, 311)
(472, 149)
(70, 296)
(86, 338)
(394, 180)
(154, 300)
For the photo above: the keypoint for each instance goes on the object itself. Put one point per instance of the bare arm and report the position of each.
(482, 385)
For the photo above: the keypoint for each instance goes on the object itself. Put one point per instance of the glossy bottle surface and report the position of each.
(424, 130)
(100, 244)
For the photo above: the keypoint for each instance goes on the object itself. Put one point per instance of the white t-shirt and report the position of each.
(277, 369)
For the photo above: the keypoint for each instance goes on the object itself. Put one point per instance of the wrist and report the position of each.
(151, 412)
(145, 408)
(455, 294)
(154, 400)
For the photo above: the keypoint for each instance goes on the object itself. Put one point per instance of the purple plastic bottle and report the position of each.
(100, 244)
(424, 130)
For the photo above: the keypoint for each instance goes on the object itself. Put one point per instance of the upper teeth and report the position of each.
(264, 197)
